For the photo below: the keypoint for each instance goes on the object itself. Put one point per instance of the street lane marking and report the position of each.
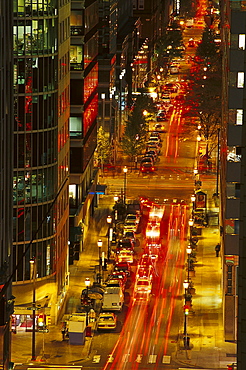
(152, 359)
(96, 359)
(139, 358)
(166, 359)
(110, 358)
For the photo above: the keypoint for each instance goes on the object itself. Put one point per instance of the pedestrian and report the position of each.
(63, 332)
(217, 249)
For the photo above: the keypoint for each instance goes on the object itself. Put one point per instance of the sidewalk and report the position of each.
(205, 321)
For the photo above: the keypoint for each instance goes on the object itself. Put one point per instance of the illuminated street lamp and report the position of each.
(193, 199)
(87, 284)
(109, 221)
(186, 284)
(99, 244)
(125, 169)
(116, 198)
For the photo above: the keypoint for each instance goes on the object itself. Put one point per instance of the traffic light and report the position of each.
(41, 319)
(186, 309)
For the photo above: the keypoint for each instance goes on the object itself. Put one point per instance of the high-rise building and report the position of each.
(83, 120)
(233, 173)
(233, 70)
(6, 178)
(41, 147)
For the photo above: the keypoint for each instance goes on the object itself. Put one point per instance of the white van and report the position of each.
(113, 299)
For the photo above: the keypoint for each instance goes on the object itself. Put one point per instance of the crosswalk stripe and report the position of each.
(152, 359)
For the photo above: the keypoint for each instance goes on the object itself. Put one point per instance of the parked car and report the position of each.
(125, 255)
(133, 217)
(160, 128)
(147, 159)
(191, 43)
(123, 266)
(153, 152)
(107, 321)
(153, 146)
(115, 283)
(155, 140)
(161, 116)
(130, 225)
(120, 275)
(147, 167)
(151, 156)
(124, 243)
(174, 69)
(130, 235)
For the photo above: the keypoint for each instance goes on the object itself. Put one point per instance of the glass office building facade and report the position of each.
(41, 40)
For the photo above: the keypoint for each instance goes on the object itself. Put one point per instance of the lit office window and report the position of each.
(239, 117)
(241, 41)
(240, 80)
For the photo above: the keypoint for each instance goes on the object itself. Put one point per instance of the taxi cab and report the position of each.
(107, 321)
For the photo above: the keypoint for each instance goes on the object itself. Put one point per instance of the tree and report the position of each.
(208, 51)
(204, 102)
(103, 151)
(188, 8)
(170, 45)
(136, 129)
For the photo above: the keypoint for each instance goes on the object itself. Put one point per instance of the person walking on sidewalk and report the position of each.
(217, 250)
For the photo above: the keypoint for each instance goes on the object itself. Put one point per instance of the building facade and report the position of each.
(41, 146)
(83, 120)
(233, 173)
(6, 179)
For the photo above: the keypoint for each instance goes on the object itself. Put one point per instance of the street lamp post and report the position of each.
(218, 164)
(193, 199)
(125, 169)
(116, 198)
(186, 286)
(99, 244)
(188, 251)
(186, 312)
(109, 221)
(87, 284)
(33, 277)
(191, 224)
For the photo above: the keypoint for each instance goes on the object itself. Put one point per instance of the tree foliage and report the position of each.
(208, 50)
(103, 151)
(170, 45)
(188, 8)
(203, 100)
(136, 128)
